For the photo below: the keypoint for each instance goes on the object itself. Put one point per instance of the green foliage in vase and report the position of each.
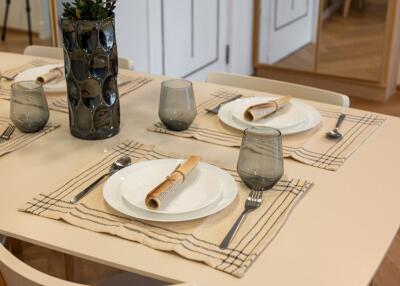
(89, 9)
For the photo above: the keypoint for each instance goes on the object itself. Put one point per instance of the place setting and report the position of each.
(52, 77)
(48, 72)
(202, 211)
(28, 119)
(320, 137)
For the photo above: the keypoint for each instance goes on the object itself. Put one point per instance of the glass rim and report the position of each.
(168, 81)
(253, 131)
(18, 84)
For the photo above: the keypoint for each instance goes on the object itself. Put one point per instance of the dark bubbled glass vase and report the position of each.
(91, 69)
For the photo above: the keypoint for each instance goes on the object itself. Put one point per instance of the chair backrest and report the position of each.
(15, 272)
(43, 51)
(57, 53)
(279, 87)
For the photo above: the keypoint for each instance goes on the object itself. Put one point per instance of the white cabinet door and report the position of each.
(193, 37)
(286, 26)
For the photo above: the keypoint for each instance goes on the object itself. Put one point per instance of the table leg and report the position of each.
(3, 35)
(346, 8)
(28, 14)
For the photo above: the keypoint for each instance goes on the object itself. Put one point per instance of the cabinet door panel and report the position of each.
(191, 32)
(288, 11)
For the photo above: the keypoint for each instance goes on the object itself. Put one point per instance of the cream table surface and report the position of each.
(337, 235)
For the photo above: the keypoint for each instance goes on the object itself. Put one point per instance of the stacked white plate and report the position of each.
(207, 190)
(55, 86)
(295, 117)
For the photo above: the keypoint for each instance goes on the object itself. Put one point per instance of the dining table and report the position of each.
(338, 234)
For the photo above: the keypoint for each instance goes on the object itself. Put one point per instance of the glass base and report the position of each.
(97, 135)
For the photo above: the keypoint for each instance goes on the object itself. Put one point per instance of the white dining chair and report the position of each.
(57, 53)
(279, 87)
(14, 272)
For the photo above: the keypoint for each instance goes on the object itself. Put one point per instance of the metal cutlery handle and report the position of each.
(228, 238)
(6, 135)
(216, 108)
(231, 99)
(87, 190)
(340, 120)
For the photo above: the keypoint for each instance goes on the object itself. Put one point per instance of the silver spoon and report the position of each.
(335, 134)
(121, 163)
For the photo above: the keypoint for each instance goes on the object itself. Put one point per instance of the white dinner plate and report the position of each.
(55, 86)
(112, 195)
(290, 115)
(313, 118)
(197, 191)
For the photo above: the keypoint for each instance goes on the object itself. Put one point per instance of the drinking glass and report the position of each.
(177, 108)
(260, 164)
(28, 108)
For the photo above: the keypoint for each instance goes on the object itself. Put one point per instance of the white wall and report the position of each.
(297, 28)
(132, 32)
(138, 31)
(17, 19)
(241, 37)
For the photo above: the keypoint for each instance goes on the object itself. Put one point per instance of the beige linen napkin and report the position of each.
(53, 74)
(162, 193)
(310, 147)
(196, 240)
(20, 140)
(262, 110)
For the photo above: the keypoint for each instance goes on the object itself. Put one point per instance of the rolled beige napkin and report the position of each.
(163, 191)
(261, 110)
(51, 75)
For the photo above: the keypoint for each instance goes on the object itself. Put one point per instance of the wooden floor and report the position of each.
(388, 273)
(16, 41)
(303, 59)
(351, 46)
(391, 107)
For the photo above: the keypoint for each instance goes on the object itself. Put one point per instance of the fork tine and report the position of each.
(9, 130)
(12, 130)
(5, 131)
(260, 198)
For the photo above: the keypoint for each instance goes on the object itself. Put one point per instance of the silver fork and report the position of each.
(253, 201)
(8, 132)
(9, 78)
